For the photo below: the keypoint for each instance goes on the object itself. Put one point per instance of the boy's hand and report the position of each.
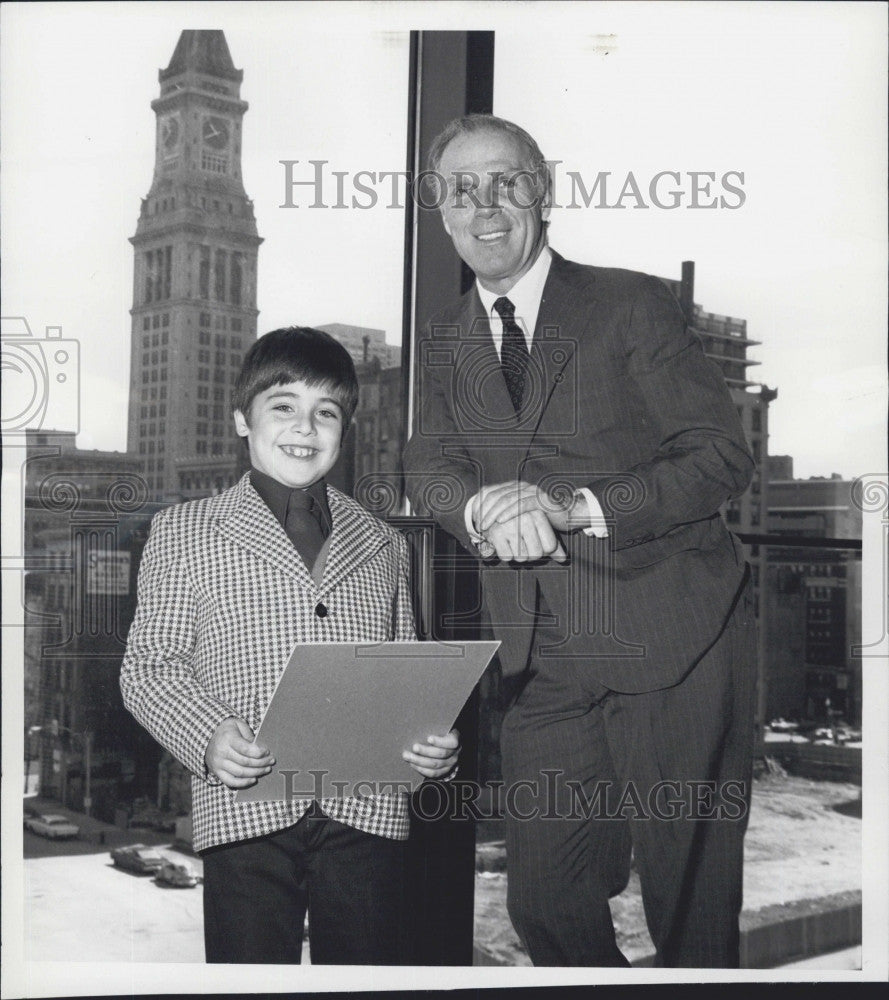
(234, 758)
(437, 758)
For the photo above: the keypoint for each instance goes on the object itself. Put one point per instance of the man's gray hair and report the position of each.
(491, 123)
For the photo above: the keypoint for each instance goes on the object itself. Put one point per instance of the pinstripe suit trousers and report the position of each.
(662, 777)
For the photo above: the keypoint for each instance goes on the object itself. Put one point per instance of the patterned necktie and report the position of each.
(305, 526)
(514, 356)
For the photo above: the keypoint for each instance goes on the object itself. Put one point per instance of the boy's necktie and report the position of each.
(305, 525)
(514, 355)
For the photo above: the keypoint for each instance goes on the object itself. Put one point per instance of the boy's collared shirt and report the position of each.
(277, 498)
(307, 531)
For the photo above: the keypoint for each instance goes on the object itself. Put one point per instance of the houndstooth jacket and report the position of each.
(223, 597)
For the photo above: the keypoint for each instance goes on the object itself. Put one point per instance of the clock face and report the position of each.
(170, 132)
(216, 132)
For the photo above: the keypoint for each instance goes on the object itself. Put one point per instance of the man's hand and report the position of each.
(517, 518)
(526, 538)
(438, 759)
(234, 758)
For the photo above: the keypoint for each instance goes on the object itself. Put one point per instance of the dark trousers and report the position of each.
(664, 776)
(256, 893)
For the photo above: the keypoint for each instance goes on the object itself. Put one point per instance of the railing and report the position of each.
(799, 541)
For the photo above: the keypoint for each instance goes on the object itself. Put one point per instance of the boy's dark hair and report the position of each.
(297, 354)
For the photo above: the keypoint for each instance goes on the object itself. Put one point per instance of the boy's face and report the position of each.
(294, 432)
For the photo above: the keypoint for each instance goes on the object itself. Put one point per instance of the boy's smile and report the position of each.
(294, 432)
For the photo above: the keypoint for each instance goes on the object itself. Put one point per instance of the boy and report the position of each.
(227, 587)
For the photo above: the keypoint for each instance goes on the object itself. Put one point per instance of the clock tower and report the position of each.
(194, 298)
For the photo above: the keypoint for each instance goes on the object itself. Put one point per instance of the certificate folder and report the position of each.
(343, 712)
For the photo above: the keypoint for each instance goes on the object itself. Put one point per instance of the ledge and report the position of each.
(771, 938)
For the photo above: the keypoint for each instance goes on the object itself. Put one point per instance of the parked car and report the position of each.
(848, 734)
(146, 814)
(53, 826)
(137, 858)
(781, 725)
(836, 735)
(176, 874)
(30, 813)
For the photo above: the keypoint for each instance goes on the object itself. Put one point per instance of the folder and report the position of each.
(343, 712)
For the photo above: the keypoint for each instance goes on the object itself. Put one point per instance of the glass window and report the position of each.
(571, 93)
(148, 271)
(204, 276)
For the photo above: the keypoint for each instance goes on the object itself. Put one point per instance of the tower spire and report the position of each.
(202, 52)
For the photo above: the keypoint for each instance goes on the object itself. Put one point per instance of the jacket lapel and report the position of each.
(246, 521)
(355, 538)
(477, 388)
(481, 399)
(480, 388)
(564, 318)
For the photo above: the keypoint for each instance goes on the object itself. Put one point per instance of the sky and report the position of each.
(791, 96)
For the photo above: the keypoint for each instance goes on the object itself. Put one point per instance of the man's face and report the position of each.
(294, 432)
(494, 211)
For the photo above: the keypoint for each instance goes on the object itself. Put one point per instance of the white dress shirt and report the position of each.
(526, 295)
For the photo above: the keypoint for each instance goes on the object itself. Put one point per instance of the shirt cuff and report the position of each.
(597, 526)
(474, 536)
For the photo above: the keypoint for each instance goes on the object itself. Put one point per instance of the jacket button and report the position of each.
(321, 610)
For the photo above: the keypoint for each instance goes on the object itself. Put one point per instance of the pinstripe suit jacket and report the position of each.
(619, 398)
(223, 597)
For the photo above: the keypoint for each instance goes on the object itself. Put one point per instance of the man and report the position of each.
(590, 445)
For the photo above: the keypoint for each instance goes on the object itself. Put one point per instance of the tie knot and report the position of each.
(504, 309)
(300, 500)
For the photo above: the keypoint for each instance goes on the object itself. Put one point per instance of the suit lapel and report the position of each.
(480, 388)
(477, 388)
(564, 318)
(481, 400)
(247, 522)
(355, 538)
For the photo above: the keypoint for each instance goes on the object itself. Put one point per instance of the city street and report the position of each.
(79, 907)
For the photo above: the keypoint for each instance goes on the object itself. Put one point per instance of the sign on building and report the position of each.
(108, 573)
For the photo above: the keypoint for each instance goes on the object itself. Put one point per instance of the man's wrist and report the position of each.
(484, 547)
(469, 519)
